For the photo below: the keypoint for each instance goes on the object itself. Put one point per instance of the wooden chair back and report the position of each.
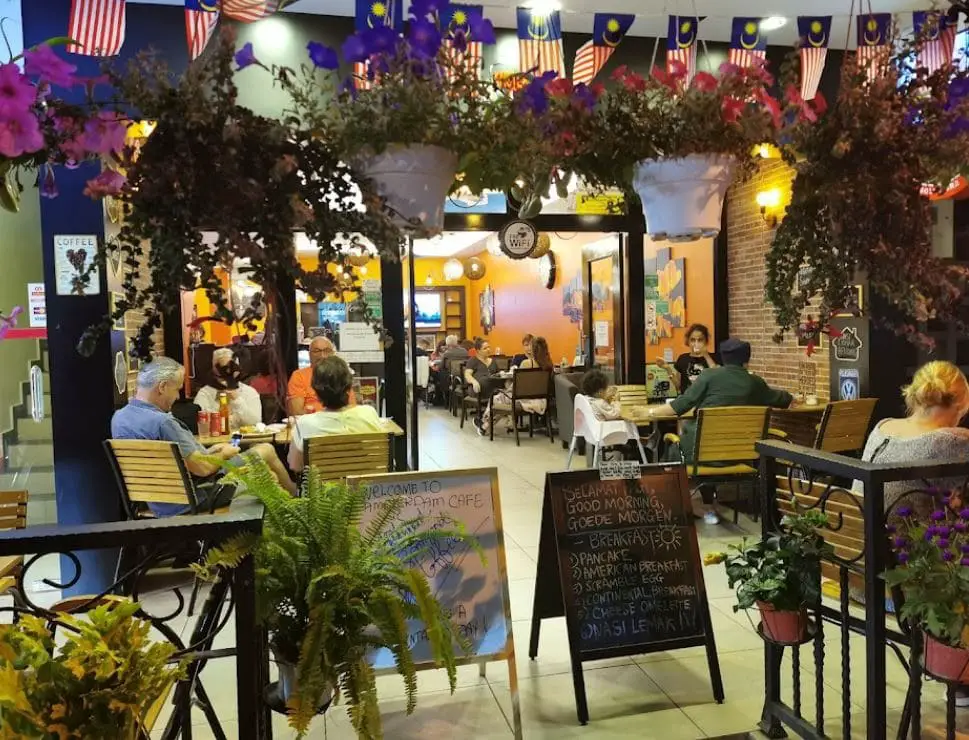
(632, 395)
(455, 368)
(337, 456)
(150, 472)
(532, 383)
(796, 426)
(13, 509)
(502, 362)
(845, 425)
(729, 434)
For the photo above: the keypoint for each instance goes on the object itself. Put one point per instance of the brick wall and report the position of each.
(751, 317)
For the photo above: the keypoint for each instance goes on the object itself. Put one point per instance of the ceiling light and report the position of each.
(773, 23)
(543, 7)
(453, 269)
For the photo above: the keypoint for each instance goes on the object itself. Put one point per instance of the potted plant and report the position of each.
(678, 144)
(779, 574)
(931, 556)
(99, 679)
(858, 210)
(332, 590)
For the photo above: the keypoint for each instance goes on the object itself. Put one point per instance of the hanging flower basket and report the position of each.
(946, 662)
(415, 181)
(683, 198)
(786, 627)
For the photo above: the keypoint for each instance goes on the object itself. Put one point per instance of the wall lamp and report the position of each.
(769, 200)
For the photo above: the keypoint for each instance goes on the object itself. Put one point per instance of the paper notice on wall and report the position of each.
(362, 357)
(37, 305)
(358, 337)
(667, 355)
(370, 285)
(602, 334)
(650, 315)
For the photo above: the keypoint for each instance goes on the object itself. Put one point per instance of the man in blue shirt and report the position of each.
(146, 416)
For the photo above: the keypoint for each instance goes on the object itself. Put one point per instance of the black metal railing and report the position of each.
(145, 545)
(798, 478)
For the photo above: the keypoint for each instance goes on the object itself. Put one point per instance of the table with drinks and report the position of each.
(214, 429)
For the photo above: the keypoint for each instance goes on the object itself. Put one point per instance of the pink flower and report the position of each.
(17, 93)
(772, 106)
(104, 134)
(758, 71)
(729, 69)
(45, 65)
(668, 78)
(793, 95)
(597, 89)
(677, 69)
(20, 134)
(620, 72)
(633, 82)
(109, 182)
(705, 82)
(559, 88)
(731, 109)
(820, 104)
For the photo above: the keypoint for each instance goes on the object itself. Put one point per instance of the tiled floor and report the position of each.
(662, 695)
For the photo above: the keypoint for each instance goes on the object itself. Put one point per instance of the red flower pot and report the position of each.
(783, 626)
(945, 661)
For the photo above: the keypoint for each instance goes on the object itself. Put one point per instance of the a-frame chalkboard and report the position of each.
(618, 557)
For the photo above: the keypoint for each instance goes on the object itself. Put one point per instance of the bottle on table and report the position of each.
(224, 412)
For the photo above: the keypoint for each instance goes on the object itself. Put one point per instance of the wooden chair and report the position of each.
(502, 362)
(798, 427)
(724, 449)
(526, 385)
(13, 515)
(632, 395)
(337, 456)
(845, 425)
(456, 386)
(150, 472)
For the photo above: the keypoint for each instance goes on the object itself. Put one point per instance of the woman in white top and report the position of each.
(245, 406)
(333, 382)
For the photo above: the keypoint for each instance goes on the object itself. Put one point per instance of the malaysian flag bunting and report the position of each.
(681, 43)
(814, 33)
(937, 39)
(248, 11)
(371, 14)
(201, 20)
(97, 26)
(747, 43)
(456, 18)
(608, 30)
(874, 39)
(540, 42)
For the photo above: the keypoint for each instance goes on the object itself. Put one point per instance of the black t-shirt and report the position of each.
(480, 370)
(690, 367)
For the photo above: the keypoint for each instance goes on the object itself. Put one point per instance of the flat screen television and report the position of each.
(428, 313)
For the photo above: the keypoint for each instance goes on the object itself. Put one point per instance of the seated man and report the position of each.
(245, 407)
(146, 416)
(300, 396)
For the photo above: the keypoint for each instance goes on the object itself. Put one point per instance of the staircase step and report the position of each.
(29, 430)
(31, 454)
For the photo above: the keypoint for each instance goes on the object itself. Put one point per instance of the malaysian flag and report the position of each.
(97, 26)
(937, 39)
(371, 14)
(458, 18)
(815, 33)
(608, 29)
(747, 43)
(248, 11)
(874, 39)
(201, 19)
(540, 42)
(681, 43)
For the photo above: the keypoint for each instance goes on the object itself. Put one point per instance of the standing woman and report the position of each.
(689, 365)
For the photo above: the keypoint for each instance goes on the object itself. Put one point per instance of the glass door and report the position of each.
(603, 280)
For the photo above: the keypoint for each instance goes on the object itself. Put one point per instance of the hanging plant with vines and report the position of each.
(251, 181)
(858, 206)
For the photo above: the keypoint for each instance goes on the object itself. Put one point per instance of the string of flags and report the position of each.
(98, 29)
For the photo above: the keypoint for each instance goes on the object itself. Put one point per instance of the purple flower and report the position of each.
(459, 39)
(964, 561)
(938, 516)
(421, 9)
(933, 531)
(104, 134)
(17, 94)
(480, 29)
(354, 50)
(948, 555)
(323, 57)
(943, 543)
(929, 534)
(959, 526)
(965, 549)
(42, 63)
(904, 511)
(902, 557)
(583, 96)
(424, 38)
(533, 96)
(964, 514)
(380, 40)
(20, 134)
(109, 182)
(48, 185)
(900, 542)
(943, 531)
(245, 57)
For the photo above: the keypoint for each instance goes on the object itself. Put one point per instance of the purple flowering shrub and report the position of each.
(932, 570)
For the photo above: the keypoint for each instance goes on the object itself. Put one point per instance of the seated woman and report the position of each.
(333, 383)
(526, 353)
(538, 357)
(245, 407)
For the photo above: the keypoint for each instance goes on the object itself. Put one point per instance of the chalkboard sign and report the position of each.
(619, 558)
(472, 592)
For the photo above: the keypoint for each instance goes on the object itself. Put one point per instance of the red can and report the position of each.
(203, 422)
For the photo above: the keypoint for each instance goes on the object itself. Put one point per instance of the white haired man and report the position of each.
(245, 406)
(147, 416)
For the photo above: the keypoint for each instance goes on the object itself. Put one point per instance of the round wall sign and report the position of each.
(518, 239)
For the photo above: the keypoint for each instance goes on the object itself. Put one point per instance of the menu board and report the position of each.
(619, 558)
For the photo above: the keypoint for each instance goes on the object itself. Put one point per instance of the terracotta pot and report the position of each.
(783, 626)
(946, 661)
(683, 198)
(415, 181)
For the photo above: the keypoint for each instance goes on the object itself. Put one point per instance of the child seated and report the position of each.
(602, 395)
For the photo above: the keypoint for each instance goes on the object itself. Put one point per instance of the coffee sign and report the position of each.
(518, 239)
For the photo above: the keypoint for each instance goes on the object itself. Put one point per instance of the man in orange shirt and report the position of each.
(300, 396)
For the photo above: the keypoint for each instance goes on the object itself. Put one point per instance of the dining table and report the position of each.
(280, 437)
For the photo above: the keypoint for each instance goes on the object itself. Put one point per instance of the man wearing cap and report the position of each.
(729, 385)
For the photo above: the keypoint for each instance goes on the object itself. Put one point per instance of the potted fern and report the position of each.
(332, 591)
(102, 680)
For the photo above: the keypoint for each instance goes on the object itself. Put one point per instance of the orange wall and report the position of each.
(698, 265)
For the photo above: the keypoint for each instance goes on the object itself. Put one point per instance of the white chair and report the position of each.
(424, 377)
(600, 433)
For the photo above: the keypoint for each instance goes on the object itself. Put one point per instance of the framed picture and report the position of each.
(486, 302)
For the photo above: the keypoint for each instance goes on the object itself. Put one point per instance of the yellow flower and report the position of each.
(714, 558)
(959, 607)
(58, 711)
